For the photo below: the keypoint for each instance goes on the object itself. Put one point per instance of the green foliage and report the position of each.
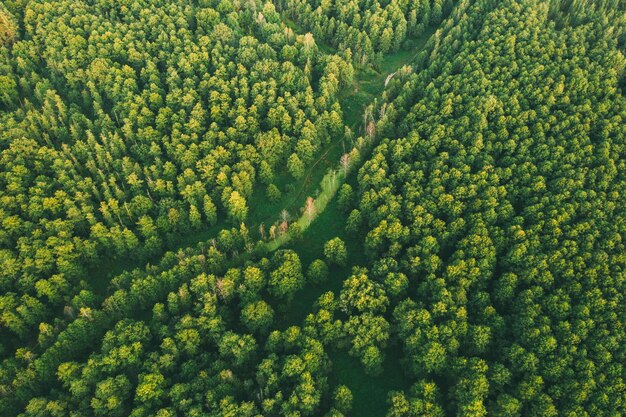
(343, 399)
(257, 316)
(345, 197)
(488, 196)
(485, 227)
(353, 222)
(335, 251)
(423, 400)
(287, 278)
(295, 166)
(8, 90)
(237, 207)
(124, 131)
(317, 272)
(273, 193)
(368, 29)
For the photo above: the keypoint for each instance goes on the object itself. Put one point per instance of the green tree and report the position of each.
(343, 399)
(335, 251)
(345, 197)
(237, 207)
(295, 166)
(257, 316)
(286, 278)
(317, 271)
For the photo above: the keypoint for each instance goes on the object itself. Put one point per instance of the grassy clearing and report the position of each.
(370, 393)
(327, 225)
(367, 86)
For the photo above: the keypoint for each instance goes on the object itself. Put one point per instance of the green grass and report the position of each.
(326, 226)
(369, 392)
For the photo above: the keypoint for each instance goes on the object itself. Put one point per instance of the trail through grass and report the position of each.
(369, 392)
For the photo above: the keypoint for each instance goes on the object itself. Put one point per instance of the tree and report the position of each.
(273, 193)
(372, 359)
(396, 284)
(195, 217)
(257, 316)
(210, 212)
(110, 396)
(345, 163)
(362, 295)
(253, 282)
(237, 207)
(150, 388)
(423, 400)
(344, 197)
(317, 272)
(237, 349)
(335, 251)
(309, 208)
(295, 166)
(343, 399)
(286, 278)
(353, 223)
(8, 88)
(7, 27)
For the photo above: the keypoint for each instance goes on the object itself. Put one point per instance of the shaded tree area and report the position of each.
(206, 349)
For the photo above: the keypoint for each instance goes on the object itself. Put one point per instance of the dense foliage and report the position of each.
(369, 29)
(127, 126)
(206, 347)
(479, 249)
(502, 200)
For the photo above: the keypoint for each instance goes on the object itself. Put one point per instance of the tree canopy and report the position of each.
(154, 156)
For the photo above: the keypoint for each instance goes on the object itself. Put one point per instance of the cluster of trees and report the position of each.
(125, 126)
(494, 214)
(369, 29)
(194, 336)
(490, 212)
(210, 347)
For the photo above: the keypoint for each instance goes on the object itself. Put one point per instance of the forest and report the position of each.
(381, 208)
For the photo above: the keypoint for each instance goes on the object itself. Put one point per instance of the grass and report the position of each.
(326, 226)
(369, 392)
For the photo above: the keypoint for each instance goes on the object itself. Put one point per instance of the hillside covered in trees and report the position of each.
(313, 208)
